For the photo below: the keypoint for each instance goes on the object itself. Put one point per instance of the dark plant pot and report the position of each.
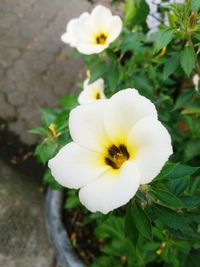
(57, 233)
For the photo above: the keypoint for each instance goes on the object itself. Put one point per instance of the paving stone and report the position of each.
(16, 98)
(23, 240)
(37, 66)
(8, 111)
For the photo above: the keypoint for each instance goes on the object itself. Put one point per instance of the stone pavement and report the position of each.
(36, 67)
(23, 240)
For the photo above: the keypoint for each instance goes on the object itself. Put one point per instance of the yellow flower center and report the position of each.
(96, 94)
(101, 38)
(116, 156)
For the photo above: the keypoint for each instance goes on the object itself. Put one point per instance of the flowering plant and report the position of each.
(133, 153)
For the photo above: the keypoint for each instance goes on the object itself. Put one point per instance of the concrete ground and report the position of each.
(23, 239)
(36, 67)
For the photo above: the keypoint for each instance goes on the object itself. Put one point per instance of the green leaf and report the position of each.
(171, 65)
(177, 186)
(113, 227)
(113, 77)
(48, 115)
(176, 170)
(191, 110)
(69, 101)
(187, 60)
(136, 12)
(190, 201)
(166, 197)
(184, 99)
(130, 227)
(38, 130)
(192, 259)
(72, 200)
(170, 218)
(104, 261)
(48, 179)
(142, 221)
(131, 42)
(163, 38)
(46, 150)
(98, 69)
(195, 5)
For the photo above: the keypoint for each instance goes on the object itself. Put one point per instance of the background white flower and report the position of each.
(196, 80)
(91, 92)
(92, 33)
(118, 144)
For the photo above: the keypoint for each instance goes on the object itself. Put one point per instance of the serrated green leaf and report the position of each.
(163, 38)
(195, 5)
(98, 69)
(104, 261)
(38, 130)
(136, 12)
(69, 101)
(191, 201)
(142, 221)
(49, 180)
(191, 110)
(131, 42)
(46, 150)
(171, 218)
(48, 115)
(166, 198)
(187, 60)
(112, 77)
(184, 99)
(130, 227)
(175, 171)
(171, 65)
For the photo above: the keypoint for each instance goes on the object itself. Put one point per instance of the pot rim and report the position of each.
(57, 234)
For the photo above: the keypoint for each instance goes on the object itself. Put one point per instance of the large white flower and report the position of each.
(118, 144)
(91, 92)
(92, 33)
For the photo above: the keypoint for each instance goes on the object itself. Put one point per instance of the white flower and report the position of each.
(196, 80)
(118, 144)
(92, 33)
(91, 92)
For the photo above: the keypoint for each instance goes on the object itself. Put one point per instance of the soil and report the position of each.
(86, 245)
(19, 155)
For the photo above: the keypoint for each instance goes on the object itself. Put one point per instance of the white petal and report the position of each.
(69, 36)
(75, 166)
(114, 28)
(69, 39)
(83, 29)
(151, 145)
(87, 127)
(112, 190)
(100, 17)
(97, 84)
(90, 91)
(88, 49)
(124, 110)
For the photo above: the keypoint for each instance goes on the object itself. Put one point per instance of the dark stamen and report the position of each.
(98, 96)
(116, 156)
(113, 150)
(110, 163)
(101, 39)
(124, 151)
